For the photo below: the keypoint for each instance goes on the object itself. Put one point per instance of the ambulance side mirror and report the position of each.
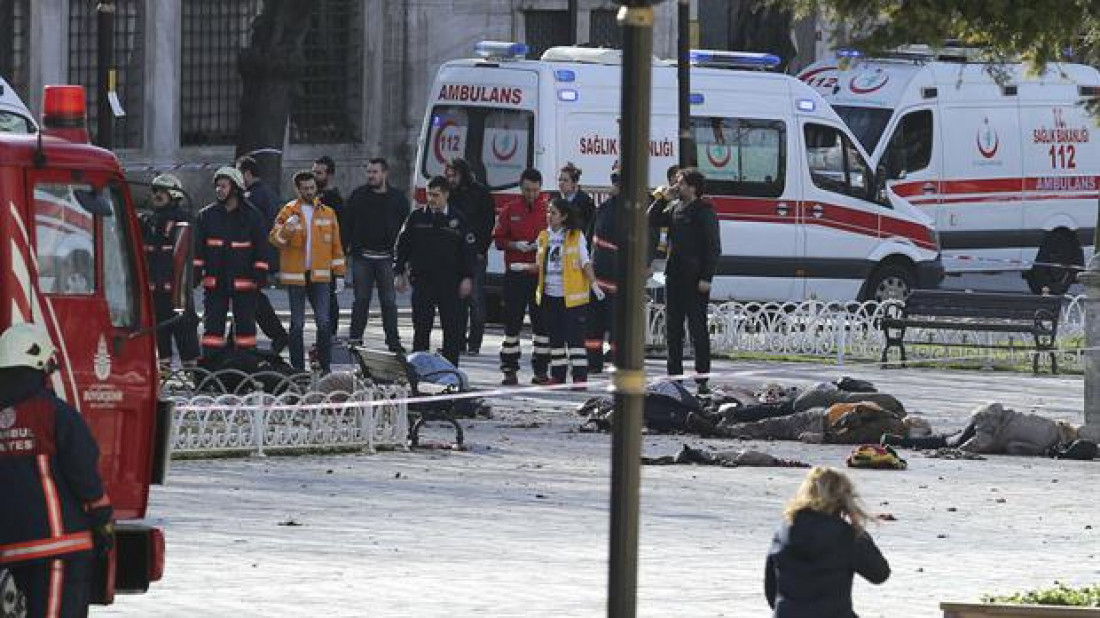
(878, 187)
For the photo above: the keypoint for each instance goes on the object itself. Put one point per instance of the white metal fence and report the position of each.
(850, 332)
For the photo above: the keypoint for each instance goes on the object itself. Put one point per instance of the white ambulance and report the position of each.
(1004, 160)
(797, 201)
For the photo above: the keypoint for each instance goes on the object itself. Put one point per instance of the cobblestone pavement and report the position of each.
(518, 525)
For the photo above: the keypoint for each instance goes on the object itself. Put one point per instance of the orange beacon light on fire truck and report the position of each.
(64, 113)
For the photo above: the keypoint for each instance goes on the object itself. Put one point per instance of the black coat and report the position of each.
(475, 203)
(436, 247)
(694, 242)
(811, 563)
(372, 220)
(160, 229)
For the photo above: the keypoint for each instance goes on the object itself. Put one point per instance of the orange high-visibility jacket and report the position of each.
(326, 252)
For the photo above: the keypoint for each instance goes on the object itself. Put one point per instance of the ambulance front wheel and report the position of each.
(889, 281)
(1060, 247)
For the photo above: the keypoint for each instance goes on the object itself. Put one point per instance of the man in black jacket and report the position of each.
(438, 249)
(267, 202)
(694, 246)
(472, 199)
(324, 171)
(373, 217)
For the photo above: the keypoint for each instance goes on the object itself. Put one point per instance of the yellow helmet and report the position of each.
(26, 345)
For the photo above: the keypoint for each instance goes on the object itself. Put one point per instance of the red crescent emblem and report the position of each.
(988, 153)
(719, 163)
(438, 145)
(505, 156)
(875, 85)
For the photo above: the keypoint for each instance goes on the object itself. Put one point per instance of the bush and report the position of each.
(1060, 594)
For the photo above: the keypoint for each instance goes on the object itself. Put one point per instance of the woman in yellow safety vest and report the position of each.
(566, 280)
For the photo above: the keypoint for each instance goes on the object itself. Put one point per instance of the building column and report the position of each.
(49, 55)
(163, 42)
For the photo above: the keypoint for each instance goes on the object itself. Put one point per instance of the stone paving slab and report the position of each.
(518, 526)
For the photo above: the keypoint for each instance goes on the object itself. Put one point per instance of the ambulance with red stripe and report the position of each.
(70, 247)
(801, 213)
(1003, 159)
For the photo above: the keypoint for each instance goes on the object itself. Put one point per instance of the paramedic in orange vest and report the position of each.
(307, 236)
(566, 280)
(53, 509)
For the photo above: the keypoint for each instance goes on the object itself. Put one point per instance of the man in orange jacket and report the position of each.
(307, 235)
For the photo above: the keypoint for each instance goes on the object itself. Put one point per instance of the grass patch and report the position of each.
(1060, 594)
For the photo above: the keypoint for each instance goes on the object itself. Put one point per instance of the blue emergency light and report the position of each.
(806, 105)
(849, 53)
(501, 49)
(734, 60)
(565, 75)
(696, 98)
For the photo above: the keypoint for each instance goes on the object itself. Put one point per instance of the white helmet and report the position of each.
(26, 345)
(233, 174)
(169, 183)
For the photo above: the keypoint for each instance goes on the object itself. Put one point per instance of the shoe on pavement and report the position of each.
(702, 389)
(472, 352)
(541, 380)
(510, 379)
(396, 348)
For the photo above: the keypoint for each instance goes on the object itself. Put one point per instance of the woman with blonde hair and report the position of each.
(821, 544)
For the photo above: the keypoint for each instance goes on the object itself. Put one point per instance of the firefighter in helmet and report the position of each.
(230, 263)
(163, 228)
(54, 513)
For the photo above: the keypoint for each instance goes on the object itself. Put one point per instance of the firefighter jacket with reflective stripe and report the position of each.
(231, 248)
(436, 246)
(608, 236)
(326, 254)
(161, 229)
(572, 271)
(48, 472)
(519, 221)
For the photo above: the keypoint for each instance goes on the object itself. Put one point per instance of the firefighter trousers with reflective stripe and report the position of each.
(566, 331)
(519, 299)
(600, 326)
(55, 588)
(216, 305)
(184, 331)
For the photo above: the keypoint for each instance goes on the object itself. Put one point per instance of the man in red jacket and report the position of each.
(518, 225)
(53, 510)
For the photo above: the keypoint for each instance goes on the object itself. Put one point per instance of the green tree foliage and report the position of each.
(1060, 594)
(1037, 32)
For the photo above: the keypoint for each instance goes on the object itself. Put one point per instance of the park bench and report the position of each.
(386, 367)
(976, 312)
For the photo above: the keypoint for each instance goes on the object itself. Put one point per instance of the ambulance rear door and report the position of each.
(486, 115)
(980, 215)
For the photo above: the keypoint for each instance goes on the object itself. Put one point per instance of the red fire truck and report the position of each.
(70, 250)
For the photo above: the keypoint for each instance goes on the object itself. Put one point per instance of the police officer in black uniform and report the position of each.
(54, 511)
(694, 246)
(162, 229)
(438, 251)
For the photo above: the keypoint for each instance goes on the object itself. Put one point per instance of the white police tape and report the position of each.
(522, 391)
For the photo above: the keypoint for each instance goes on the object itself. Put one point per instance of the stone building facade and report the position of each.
(370, 63)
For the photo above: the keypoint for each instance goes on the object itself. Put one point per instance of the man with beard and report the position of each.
(230, 262)
(324, 172)
(373, 217)
(472, 199)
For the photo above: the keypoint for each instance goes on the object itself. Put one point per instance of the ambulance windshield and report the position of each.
(498, 143)
(867, 123)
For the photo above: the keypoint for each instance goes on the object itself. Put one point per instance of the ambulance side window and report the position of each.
(741, 156)
(497, 143)
(835, 163)
(910, 148)
(119, 280)
(64, 240)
